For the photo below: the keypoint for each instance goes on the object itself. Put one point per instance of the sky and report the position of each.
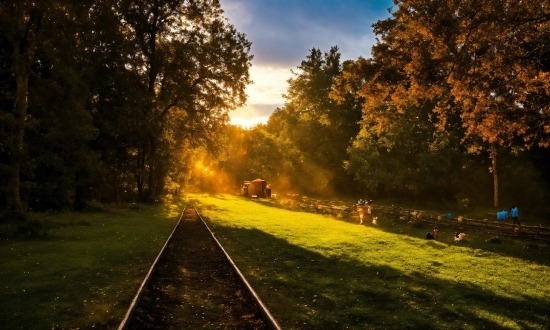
(283, 32)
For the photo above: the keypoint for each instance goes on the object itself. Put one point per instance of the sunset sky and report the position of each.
(283, 31)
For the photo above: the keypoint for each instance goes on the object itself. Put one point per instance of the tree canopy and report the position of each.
(478, 71)
(126, 100)
(98, 97)
(318, 127)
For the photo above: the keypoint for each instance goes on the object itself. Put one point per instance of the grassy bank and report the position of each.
(312, 271)
(85, 272)
(317, 272)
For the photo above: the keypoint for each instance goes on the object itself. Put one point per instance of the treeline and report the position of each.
(453, 106)
(102, 99)
(126, 100)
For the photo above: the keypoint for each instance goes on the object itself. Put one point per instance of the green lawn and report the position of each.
(318, 272)
(312, 271)
(84, 273)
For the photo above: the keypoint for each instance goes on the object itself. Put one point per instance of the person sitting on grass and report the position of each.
(459, 237)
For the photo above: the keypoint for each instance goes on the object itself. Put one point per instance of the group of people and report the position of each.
(365, 206)
(514, 214)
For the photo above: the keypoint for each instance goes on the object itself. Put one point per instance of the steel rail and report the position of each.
(137, 297)
(264, 309)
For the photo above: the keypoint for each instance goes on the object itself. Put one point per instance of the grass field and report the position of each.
(312, 271)
(84, 273)
(318, 272)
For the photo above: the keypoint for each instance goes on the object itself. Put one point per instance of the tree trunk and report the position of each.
(20, 70)
(26, 24)
(78, 202)
(493, 156)
(140, 168)
(151, 180)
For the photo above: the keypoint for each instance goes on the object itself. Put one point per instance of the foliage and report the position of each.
(318, 127)
(114, 89)
(261, 154)
(490, 76)
(192, 66)
(476, 73)
(406, 158)
(119, 101)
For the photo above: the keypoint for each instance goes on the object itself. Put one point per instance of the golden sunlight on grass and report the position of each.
(311, 252)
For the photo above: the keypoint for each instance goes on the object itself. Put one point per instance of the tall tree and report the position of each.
(190, 61)
(97, 95)
(21, 24)
(115, 92)
(45, 48)
(483, 64)
(396, 153)
(317, 125)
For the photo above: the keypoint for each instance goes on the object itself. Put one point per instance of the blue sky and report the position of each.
(283, 31)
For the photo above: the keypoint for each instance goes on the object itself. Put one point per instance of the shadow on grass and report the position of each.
(306, 290)
(529, 250)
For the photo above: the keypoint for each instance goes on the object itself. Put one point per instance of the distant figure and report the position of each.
(514, 214)
(369, 207)
(459, 237)
(435, 232)
(361, 209)
(502, 215)
(429, 235)
(374, 220)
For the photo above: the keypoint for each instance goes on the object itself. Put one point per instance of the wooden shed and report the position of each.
(254, 188)
(259, 187)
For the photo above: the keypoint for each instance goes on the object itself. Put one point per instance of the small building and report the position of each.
(256, 188)
(244, 188)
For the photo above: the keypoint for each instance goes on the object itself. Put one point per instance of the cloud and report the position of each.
(283, 32)
(252, 114)
(269, 84)
(253, 110)
(264, 95)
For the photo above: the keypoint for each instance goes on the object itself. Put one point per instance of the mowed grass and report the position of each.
(85, 272)
(312, 271)
(319, 272)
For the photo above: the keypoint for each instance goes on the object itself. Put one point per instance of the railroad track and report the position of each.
(345, 210)
(537, 233)
(193, 283)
